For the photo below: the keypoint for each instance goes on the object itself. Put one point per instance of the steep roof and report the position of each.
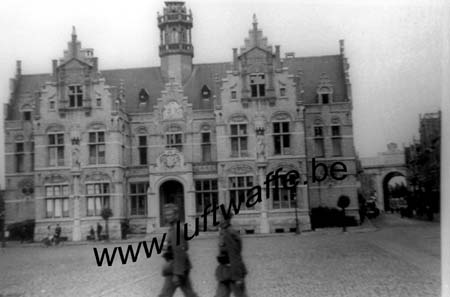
(25, 86)
(150, 79)
(312, 68)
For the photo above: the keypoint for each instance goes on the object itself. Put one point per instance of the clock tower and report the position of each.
(175, 47)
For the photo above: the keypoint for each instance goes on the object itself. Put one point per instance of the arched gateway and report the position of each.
(171, 192)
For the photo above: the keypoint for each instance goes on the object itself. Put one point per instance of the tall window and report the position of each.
(206, 194)
(138, 198)
(56, 149)
(258, 85)
(75, 96)
(238, 140)
(142, 148)
(336, 140)
(19, 156)
(283, 197)
(56, 201)
(281, 138)
(238, 187)
(325, 98)
(206, 146)
(97, 197)
(319, 142)
(97, 147)
(174, 140)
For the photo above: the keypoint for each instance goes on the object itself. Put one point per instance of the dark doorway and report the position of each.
(171, 192)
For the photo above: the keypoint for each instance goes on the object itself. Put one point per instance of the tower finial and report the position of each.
(255, 22)
(74, 31)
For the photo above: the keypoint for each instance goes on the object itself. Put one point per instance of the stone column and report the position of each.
(264, 220)
(76, 231)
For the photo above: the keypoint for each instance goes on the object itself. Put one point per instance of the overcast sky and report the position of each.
(394, 47)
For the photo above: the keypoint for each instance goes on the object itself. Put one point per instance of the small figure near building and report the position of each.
(99, 231)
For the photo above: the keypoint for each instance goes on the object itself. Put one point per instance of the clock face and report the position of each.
(172, 110)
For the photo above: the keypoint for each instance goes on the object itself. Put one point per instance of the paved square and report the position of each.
(397, 260)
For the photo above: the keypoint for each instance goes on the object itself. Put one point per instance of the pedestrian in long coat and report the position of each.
(177, 267)
(231, 271)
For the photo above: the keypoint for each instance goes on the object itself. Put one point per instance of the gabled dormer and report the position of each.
(74, 75)
(256, 64)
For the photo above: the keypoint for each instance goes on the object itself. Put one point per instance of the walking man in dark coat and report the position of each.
(231, 271)
(177, 267)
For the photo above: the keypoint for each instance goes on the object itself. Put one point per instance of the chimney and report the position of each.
(95, 63)
(18, 68)
(54, 66)
(341, 47)
(277, 56)
(235, 59)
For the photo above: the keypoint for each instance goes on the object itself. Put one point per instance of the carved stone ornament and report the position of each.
(240, 169)
(172, 110)
(170, 159)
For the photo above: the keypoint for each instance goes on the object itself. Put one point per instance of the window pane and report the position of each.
(65, 190)
(277, 144)
(243, 129)
(249, 181)
(234, 130)
(234, 146)
(205, 138)
(286, 141)
(243, 144)
(276, 127)
(49, 208)
(58, 208)
(91, 207)
(105, 188)
(98, 205)
(240, 181)
(60, 138)
(285, 127)
(51, 139)
(206, 185)
(57, 191)
(199, 203)
(49, 191)
(101, 136)
(214, 184)
(92, 137)
(65, 207)
(142, 140)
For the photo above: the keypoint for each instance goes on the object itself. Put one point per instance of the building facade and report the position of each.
(80, 139)
(423, 159)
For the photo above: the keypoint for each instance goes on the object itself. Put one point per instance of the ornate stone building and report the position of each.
(81, 138)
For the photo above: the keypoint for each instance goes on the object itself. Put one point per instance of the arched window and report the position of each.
(205, 92)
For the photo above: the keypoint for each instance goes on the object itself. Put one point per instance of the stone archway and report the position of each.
(385, 184)
(171, 191)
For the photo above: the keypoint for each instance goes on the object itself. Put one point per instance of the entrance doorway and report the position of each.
(171, 192)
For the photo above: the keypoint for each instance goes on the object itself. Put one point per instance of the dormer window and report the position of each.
(75, 96)
(206, 92)
(143, 96)
(27, 115)
(258, 85)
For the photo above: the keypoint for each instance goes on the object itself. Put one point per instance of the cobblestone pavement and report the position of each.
(401, 258)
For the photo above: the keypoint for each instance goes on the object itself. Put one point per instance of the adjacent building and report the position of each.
(80, 138)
